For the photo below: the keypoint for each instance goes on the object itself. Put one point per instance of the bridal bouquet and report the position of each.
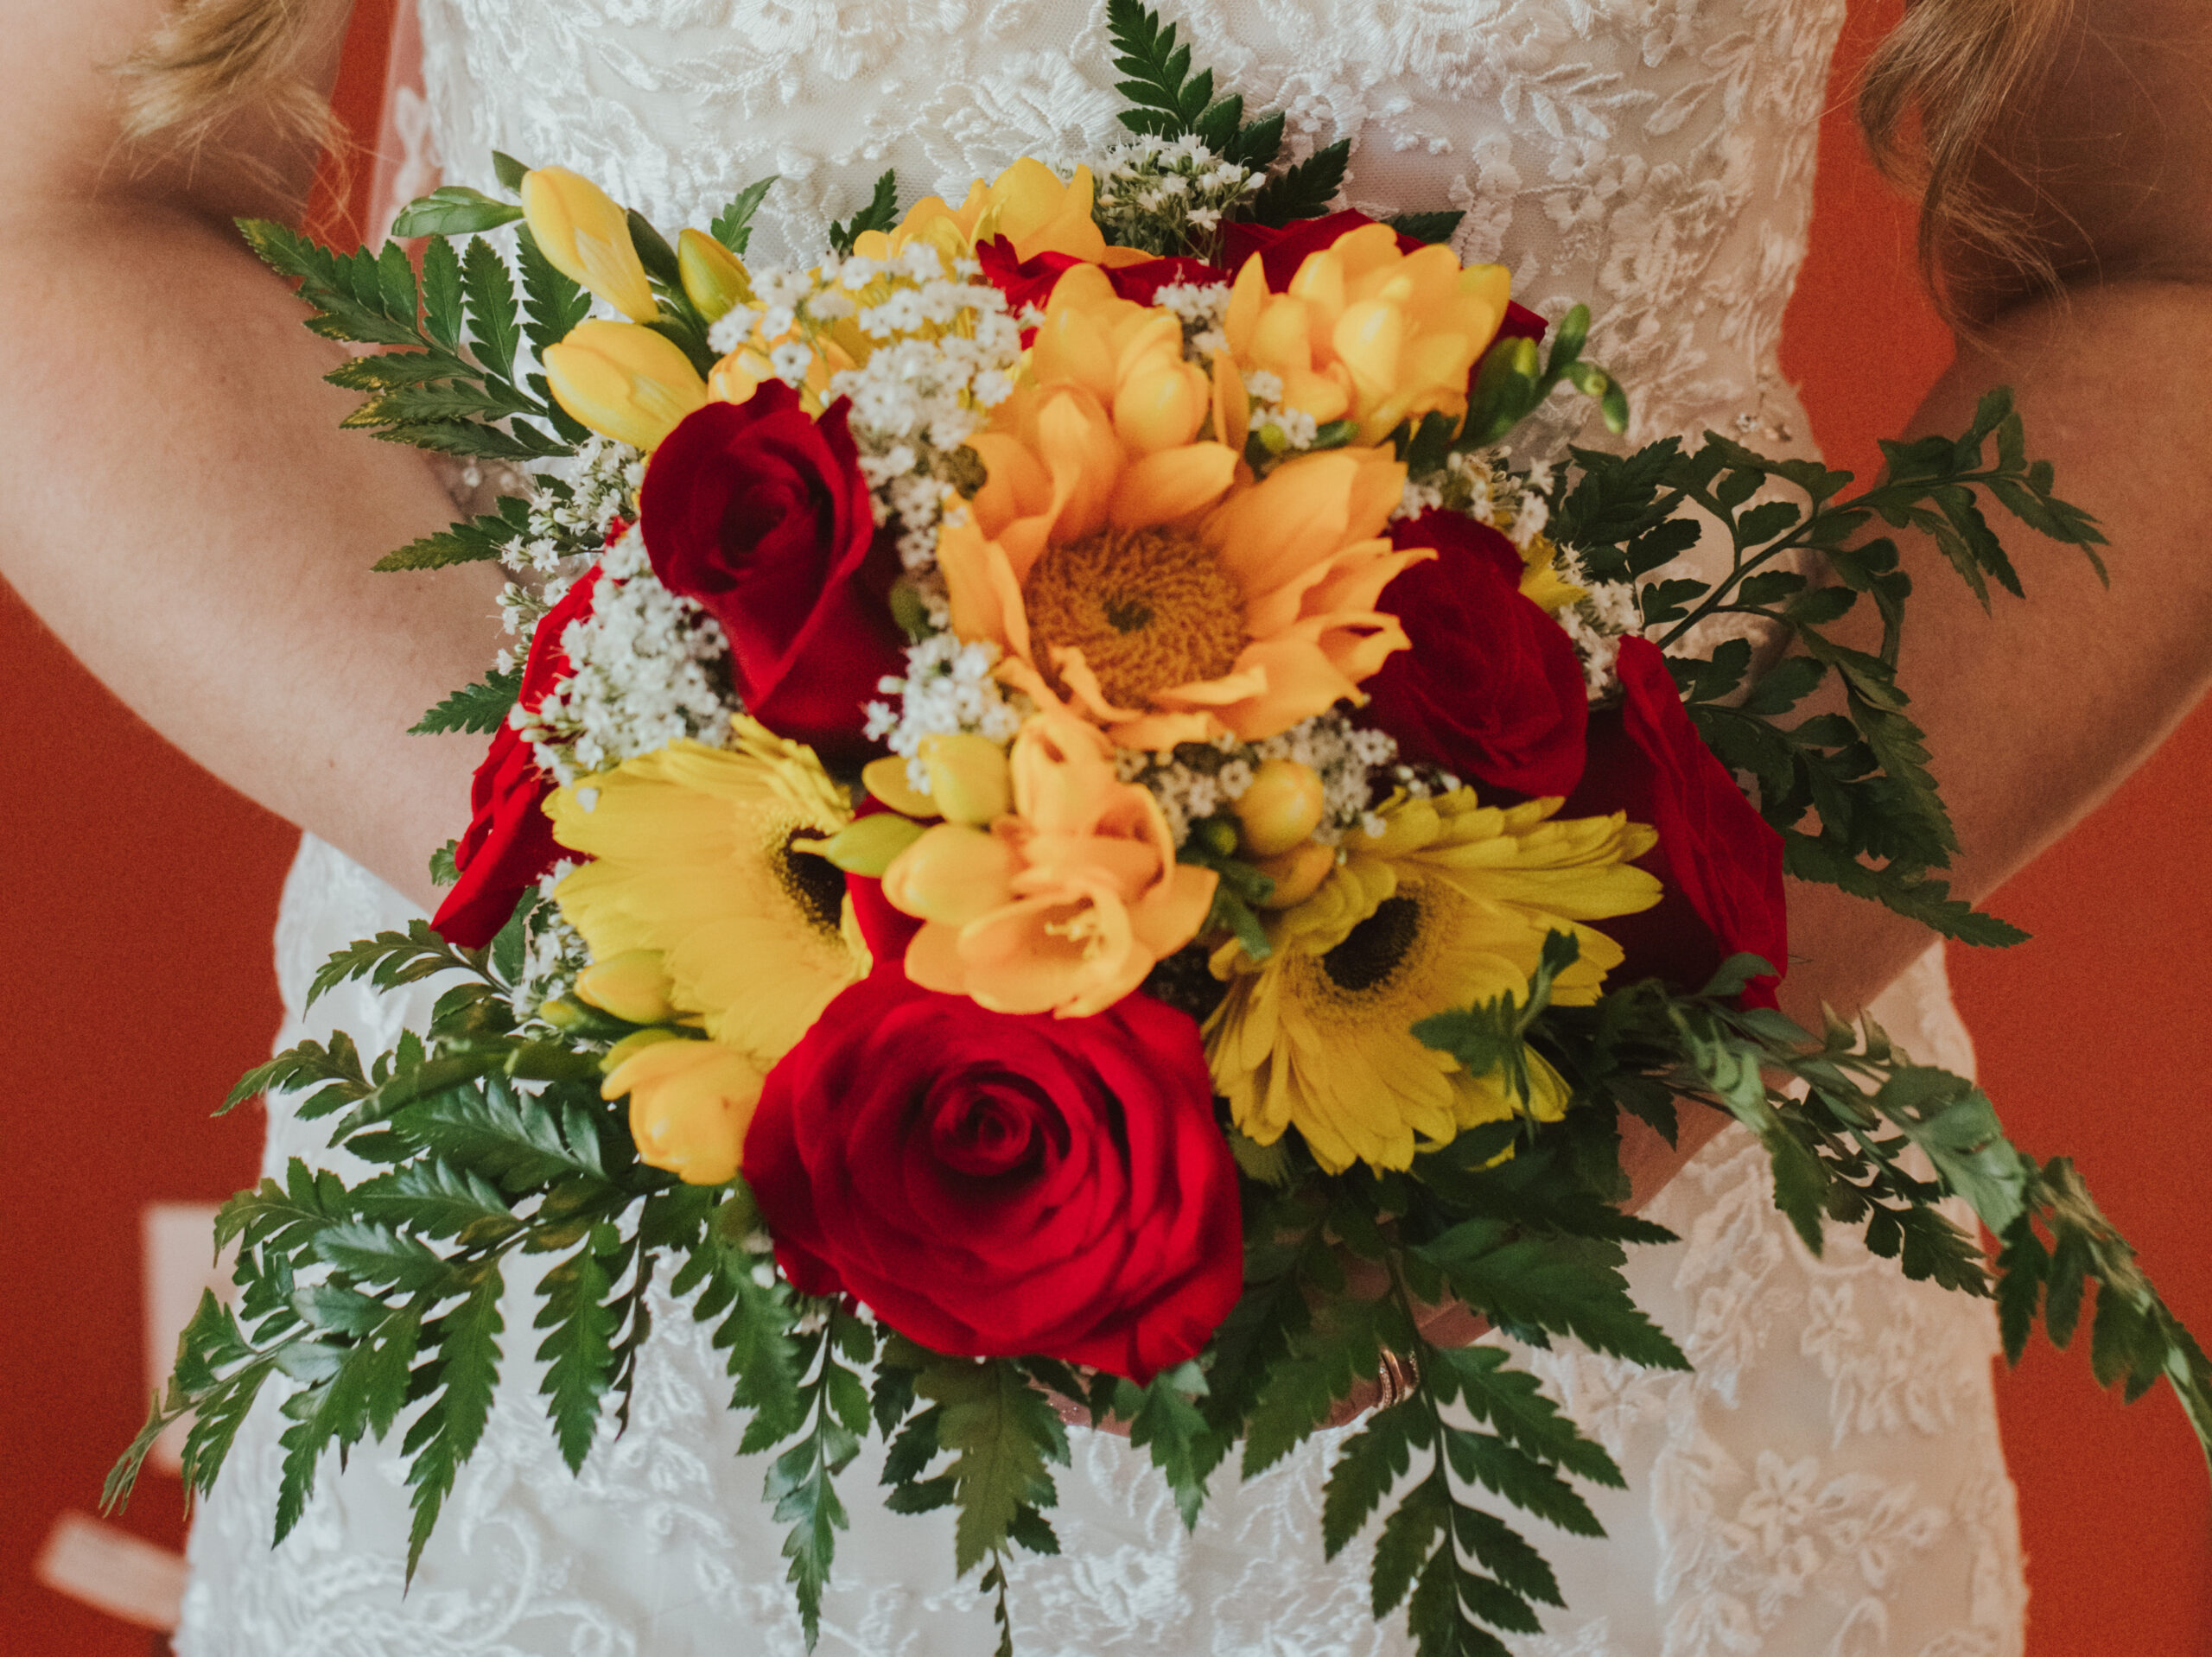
(1070, 831)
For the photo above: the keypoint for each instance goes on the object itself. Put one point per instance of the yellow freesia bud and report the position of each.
(627, 382)
(713, 279)
(691, 1102)
(887, 779)
(867, 845)
(636, 1041)
(968, 778)
(953, 873)
(1282, 807)
(633, 985)
(1298, 874)
(586, 237)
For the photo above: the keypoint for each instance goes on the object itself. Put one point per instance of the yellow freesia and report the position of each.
(1368, 334)
(624, 381)
(1064, 903)
(713, 279)
(1027, 204)
(586, 237)
(1449, 906)
(691, 1102)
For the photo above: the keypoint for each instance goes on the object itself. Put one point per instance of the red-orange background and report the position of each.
(139, 893)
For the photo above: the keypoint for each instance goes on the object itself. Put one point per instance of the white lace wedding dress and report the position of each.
(1829, 1479)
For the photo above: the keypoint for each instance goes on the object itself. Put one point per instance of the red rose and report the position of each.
(761, 515)
(996, 1186)
(1719, 860)
(509, 844)
(1492, 689)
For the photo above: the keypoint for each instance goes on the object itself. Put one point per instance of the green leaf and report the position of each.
(441, 315)
(579, 1350)
(453, 210)
(1001, 1432)
(509, 171)
(552, 304)
(495, 329)
(1170, 1426)
(479, 709)
(733, 225)
(380, 1256)
(1433, 228)
(881, 214)
(1304, 191)
(461, 1381)
(434, 1198)
(391, 959)
(507, 1136)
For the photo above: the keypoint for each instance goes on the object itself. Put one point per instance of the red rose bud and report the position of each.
(1024, 282)
(997, 1186)
(509, 846)
(1490, 689)
(761, 515)
(1719, 860)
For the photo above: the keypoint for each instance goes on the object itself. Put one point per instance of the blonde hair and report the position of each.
(213, 59)
(1956, 64)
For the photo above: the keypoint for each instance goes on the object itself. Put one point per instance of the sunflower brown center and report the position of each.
(815, 884)
(1150, 609)
(1376, 948)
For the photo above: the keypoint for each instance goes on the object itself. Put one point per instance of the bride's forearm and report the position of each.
(188, 518)
(2036, 712)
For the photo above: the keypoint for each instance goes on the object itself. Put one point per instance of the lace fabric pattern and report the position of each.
(1828, 1483)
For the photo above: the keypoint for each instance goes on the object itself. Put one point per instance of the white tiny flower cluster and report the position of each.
(554, 952)
(948, 686)
(1162, 194)
(1281, 430)
(601, 486)
(947, 353)
(1483, 485)
(1203, 309)
(650, 669)
(1197, 780)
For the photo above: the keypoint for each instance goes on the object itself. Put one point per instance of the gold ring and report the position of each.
(1398, 1377)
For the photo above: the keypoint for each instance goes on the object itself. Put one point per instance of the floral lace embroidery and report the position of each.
(1829, 1481)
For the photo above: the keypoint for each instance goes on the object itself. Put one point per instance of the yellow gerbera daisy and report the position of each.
(699, 854)
(1131, 572)
(1448, 907)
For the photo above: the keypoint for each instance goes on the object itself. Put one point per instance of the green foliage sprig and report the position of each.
(1860, 778)
(450, 384)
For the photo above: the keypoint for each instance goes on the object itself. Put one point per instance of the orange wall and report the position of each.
(139, 895)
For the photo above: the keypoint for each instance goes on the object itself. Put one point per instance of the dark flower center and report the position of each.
(814, 883)
(1375, 949)
(986, 1135)
(1150, 609)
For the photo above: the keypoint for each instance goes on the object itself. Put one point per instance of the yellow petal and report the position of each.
(953, 873)
(1163, 488)
(627, 381)
(586, 237)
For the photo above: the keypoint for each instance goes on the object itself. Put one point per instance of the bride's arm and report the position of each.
(2034, 715)
(183, 510)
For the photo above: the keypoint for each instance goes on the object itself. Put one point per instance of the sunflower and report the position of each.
(1447, 907)
(702, 854)
(1137, 574)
